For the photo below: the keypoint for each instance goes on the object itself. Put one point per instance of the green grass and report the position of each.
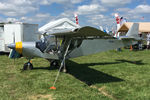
(109, 75)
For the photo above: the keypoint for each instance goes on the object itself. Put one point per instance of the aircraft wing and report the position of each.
(83, 32)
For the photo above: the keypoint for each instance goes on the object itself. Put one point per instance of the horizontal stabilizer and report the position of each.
(126, 38)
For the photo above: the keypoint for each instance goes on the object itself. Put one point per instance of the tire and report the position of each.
(54, 64)
(28, 66)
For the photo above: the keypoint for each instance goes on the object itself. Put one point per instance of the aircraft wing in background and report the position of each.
(83, 32)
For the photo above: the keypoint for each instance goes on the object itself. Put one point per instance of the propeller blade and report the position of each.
(14, 54)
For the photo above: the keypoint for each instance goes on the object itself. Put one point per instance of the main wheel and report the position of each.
(27, 66)
(54, 64)
(64, 70)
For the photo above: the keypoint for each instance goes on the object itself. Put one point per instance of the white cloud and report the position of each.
(97, 17)
(123, 10)
(66, 2)
(141, 9)
(21, 2)
(115, 3)
(67, 13)
(94, 12)
(11, 20)
(135, 13)
(40, 17)
(14, 8)
(90, 9)
(76, 1)
(44, 2)
(102, 20)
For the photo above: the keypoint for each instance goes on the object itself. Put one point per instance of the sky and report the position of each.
(93, 13)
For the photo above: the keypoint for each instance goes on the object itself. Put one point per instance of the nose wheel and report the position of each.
(28, 66)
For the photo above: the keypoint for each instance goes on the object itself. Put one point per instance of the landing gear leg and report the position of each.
(61, 65)
(64, 67)
(28, 65)
(54, 64)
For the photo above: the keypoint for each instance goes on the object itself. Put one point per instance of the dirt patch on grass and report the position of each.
(39, 97)
(103, 91)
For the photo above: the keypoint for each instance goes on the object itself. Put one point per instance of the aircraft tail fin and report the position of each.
(101, 28)
(132, 34)
(133, 31)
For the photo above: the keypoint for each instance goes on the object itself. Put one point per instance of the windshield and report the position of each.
(49, 44)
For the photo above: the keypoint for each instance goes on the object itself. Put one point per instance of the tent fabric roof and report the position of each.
(143, 27)
(59, 25)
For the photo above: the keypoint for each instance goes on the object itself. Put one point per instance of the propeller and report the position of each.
(13, 53)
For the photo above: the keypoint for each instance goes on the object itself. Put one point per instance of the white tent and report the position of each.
(143, 27)
(60, 25)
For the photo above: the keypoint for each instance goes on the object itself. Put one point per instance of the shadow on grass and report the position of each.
(139, 62)
(41, 68)
(88, 75)
(91, 76)
(4, 53)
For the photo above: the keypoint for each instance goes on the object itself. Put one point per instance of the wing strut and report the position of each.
(62, 64)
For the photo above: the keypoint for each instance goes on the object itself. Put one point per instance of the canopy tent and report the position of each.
(60, 25)
(143, 27)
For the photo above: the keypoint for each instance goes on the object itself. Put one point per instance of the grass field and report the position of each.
(104, 76)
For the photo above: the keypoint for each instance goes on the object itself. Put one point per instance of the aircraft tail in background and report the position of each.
(104, 30)
(132, 33)
(101, 28)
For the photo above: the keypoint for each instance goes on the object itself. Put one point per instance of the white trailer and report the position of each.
(15, 32)
(2, 43)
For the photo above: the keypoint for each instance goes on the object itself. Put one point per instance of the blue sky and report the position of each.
(90, 12)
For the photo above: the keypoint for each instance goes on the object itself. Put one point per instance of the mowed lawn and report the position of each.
(108, 75)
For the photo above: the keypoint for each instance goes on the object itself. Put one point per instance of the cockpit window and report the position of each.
(49, 44)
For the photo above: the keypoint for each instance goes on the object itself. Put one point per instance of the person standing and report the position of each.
(148, 40)
(140, 44)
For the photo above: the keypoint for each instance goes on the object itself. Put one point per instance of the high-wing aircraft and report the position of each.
(82, 41)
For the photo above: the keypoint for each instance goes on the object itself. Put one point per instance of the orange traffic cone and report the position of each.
(131, 48)
(52, 88)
